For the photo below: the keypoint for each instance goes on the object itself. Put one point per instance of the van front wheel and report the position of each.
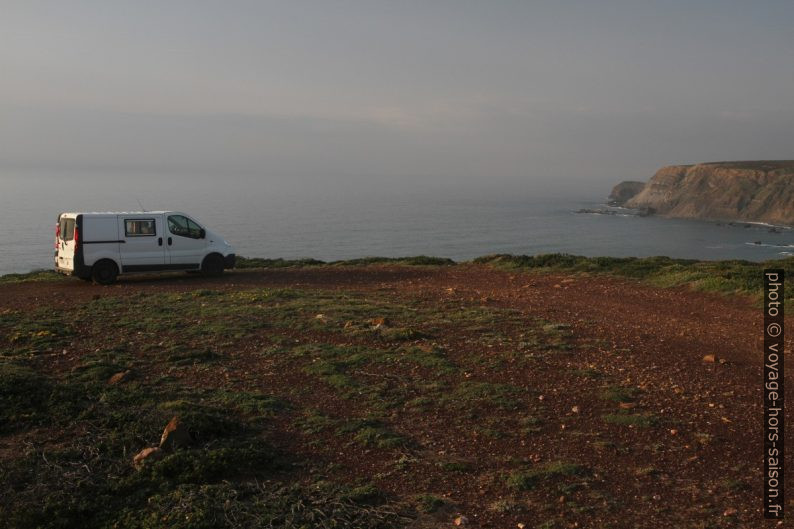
(212, 265)
(104, 272)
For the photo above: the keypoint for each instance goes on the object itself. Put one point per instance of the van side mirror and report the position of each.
(203, 233)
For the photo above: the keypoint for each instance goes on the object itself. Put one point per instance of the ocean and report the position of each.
(346, 224)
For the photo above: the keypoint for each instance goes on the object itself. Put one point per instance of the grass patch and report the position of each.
(619, 394)
(419, 260)
(25, 396)
(470, 392)
(589, 373)
(529, 479)
(455, 466)
(193, 357)
(43, 330)
(373, 433)
(429, 503)
(30, 277)
(728, 277)
(626, 419)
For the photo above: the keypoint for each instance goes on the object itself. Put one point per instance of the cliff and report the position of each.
(625, 191)
(761, 191)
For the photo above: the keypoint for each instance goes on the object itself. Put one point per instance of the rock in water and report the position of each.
(175, 435)
(624, 191)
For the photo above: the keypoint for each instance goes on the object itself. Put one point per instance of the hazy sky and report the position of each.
(501, 93)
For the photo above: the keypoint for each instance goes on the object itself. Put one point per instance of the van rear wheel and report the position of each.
(104, 272)
(212, 265)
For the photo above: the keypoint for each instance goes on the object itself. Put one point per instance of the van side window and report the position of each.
(67, 229)
(139, 228)
(183, 227)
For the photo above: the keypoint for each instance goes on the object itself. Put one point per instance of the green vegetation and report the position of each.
(619, 394)
(734, 276)
(429, 503)
(470, 393)
(420, 260)
(628, 419)
(372, 432)
(529, 479)
(35, 275)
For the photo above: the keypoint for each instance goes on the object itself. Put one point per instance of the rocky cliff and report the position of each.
(625, 191)
(760, 191)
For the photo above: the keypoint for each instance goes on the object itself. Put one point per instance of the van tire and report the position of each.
(212, 266)
(104, 272)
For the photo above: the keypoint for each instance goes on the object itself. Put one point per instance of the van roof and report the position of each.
(70, 213)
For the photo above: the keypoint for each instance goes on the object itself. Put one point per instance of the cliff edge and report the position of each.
(757, 191)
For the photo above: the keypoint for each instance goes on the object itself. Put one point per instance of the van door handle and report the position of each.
(159, 241)
(170, 242)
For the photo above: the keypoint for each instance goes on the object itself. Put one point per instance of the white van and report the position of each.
(99, 246)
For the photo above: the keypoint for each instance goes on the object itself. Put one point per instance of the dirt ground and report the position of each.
(698, 465)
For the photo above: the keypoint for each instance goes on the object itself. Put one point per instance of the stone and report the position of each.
(118, 378)
(175, 435)
(150, 454)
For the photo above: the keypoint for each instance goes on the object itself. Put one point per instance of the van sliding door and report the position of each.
(144, 242)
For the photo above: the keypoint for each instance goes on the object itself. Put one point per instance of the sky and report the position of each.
(374, 94)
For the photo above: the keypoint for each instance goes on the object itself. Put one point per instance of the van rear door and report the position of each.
(66, 241)
(143, 247)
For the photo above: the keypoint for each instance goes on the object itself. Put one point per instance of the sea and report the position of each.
(345, 223)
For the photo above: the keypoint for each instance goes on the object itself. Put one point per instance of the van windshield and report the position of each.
(67, 229)
(184, 227)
